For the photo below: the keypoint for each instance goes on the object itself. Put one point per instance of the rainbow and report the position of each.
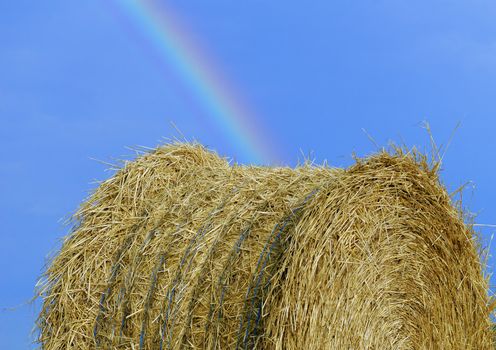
(174, 45)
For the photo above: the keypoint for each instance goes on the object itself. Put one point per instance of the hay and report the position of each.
(181, 250)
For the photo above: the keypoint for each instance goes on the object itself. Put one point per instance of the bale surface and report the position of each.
(182, 250)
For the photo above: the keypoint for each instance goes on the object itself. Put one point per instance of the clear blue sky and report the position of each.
(78, 82)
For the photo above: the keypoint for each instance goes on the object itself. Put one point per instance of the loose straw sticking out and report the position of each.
(181, 250)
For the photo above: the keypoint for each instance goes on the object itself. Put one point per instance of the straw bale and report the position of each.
(180, 249)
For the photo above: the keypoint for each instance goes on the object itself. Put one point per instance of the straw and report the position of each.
(181, 249)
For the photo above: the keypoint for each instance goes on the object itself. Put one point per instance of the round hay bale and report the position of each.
(182, 250)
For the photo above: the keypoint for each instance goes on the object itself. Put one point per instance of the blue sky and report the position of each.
(78, 81)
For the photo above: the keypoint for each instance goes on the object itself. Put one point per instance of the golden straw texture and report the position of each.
(180, 249)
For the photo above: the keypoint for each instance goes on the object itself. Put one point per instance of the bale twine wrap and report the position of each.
(181, 250)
